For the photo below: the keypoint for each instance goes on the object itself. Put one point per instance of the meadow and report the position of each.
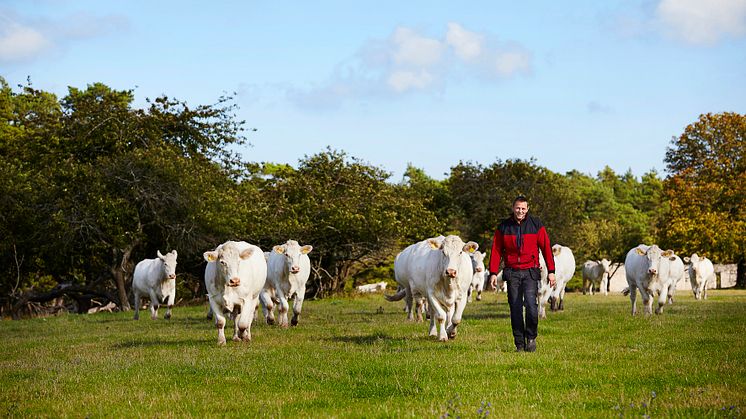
(357, 356)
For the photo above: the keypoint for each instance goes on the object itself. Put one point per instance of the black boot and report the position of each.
(531, 345)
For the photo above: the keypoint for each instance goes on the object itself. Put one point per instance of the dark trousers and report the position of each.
(523, 288)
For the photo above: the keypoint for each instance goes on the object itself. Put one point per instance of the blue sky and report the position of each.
(579, 85)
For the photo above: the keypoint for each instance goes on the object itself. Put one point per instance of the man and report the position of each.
(517, 242)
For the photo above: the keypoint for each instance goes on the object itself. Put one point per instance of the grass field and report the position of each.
(358, 357)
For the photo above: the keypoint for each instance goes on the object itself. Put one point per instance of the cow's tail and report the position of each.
(400, 293)
(625, 291)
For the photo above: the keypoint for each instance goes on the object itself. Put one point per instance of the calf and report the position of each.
(596, 272)
(156, 279)
(234, 277)
(288, 269)
(478, 278)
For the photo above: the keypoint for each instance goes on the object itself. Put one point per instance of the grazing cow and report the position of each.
(651, 270)
(596, 272)
(234, 277)
(402, 263)
(564, 269)
(288, 269)
(156, 279)
(374, 287)
(701, 272)
(478, 278)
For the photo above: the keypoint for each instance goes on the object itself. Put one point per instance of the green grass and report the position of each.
(358, 357)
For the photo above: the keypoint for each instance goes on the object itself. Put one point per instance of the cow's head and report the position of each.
(169, 264)
(605, 264)
(656, 259)
(228, 257)
(452, 247)
(292, 251)
(477, 261)
(695, 260)
(556, 249)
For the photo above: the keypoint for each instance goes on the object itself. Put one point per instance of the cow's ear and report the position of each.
(556, 250)
(175, 253)
(306, 249)
(160, 255)
(246, 253)
(210, 256)
(433, 243)
(686, 259)
(279, 249)
(471, 247)
(640, 251)
(667, 253)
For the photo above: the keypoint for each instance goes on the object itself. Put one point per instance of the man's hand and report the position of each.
(493, 281)
(552, 280)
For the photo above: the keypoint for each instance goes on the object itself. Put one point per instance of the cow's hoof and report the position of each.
(136, 318)
(167, 317)
(294, 322)
(270, 321)
(443, 339)
(236, 338)
(221, 343)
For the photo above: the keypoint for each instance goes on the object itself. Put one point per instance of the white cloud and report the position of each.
(467, 45)
(20, 43)
(409, 62)
(23, 39)
(703, 22)
(412, 49)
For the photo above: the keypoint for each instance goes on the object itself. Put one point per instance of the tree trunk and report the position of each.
(741, 273)
(121, 272)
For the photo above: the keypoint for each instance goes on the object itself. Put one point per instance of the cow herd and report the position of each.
(436, 276)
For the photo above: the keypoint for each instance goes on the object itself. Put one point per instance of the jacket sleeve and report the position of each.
(496, 254)
(546, 249)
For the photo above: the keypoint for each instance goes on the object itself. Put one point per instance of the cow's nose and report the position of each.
(172, 276)
(652, 271)
(451, 272)
(294, 270)
(479, 269)
(234, 282)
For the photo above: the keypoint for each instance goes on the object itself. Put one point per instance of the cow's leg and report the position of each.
(604, 285)
(268, 306)
(246, 318)
(480, 287)
(633, 298)
(439, 315)
(219, 322)
(419, 309)
(297, 306)
(458, 313)
(409, 302)
(154, 304)
(468, 293)
(169, 301)
(585, 285)
(282, 308)
(137, 306)
(704, 291)
(209, 312)
(647, 301)
(662, 297)
(237, 309)
(562, 298)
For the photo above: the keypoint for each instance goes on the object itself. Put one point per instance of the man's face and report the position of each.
(519, 210)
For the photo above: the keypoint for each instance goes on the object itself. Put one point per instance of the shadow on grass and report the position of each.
(367, 339)
(144, 343)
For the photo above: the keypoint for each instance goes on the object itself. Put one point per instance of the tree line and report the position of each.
(90, 185)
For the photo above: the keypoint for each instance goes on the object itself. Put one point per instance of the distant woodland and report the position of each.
(90, 185)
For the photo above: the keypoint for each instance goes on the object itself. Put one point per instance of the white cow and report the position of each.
(478, 278)
(155, 279)
(374, 287)
(701, 272)
(441, 274)
(402, 275)
(564, 269)
(596, 273)
(651, 270)
(234, 276)
(288, 269)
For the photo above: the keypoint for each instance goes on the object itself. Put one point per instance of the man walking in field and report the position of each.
(517, 242)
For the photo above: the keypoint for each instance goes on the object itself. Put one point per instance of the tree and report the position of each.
(707, 190)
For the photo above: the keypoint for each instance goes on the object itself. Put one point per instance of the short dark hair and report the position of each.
(520, 198)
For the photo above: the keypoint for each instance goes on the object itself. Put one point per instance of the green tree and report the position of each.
(707, 190)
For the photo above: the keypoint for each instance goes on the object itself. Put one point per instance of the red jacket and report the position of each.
(519, 243)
